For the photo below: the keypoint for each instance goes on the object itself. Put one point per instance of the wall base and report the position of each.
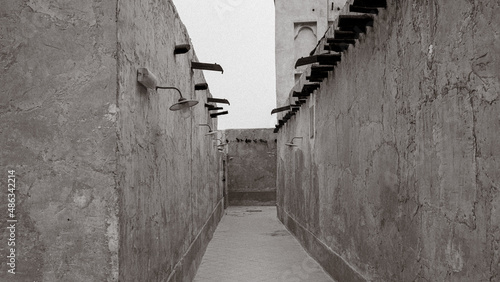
(257, 198)
(331, 262)
(186, 268)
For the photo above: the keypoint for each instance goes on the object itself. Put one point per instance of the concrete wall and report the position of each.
(251, 166)
(400, 181)
(58, 132)
(111, 185)
(168, 169)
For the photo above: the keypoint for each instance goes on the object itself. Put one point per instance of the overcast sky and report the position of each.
(238, 35)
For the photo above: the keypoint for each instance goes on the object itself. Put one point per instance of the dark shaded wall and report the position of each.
(111, 185)
(400, 180)
(251, 166)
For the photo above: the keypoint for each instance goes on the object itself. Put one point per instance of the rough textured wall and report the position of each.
(168, 170)
(400, 182)
(251, 166)
(57, 131)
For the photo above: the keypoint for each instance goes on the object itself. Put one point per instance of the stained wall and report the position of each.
(399, 179)
(168, 170)
(251, 166)
(111, 184)
(58, 113)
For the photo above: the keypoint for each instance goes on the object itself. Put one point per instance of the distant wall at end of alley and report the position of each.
(58, 113)
(251, 166)
(397, 177)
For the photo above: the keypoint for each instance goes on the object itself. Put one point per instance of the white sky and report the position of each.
(238, 35)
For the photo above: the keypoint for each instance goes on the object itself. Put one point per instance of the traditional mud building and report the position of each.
(395, 114)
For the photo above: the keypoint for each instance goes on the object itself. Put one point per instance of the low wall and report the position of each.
(398, 172)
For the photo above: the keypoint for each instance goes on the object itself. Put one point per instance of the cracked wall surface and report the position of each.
(58, 132)
(400, 181)
(111, 185)
(168, 170)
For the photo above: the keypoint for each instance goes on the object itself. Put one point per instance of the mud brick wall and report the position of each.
(111, 185)
(58, 132)
(168, 170)
(399, 179)
(251, 166)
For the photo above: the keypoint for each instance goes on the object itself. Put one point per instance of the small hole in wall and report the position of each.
(313, 10)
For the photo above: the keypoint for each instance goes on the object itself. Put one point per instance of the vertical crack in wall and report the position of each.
(445, 204)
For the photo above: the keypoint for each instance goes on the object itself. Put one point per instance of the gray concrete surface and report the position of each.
(401, 176)
(251, 245)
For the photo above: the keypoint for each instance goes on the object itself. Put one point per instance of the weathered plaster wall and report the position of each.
(111, 185)
(168, 171)
(58, 132)
(251, 166)
(400, 181)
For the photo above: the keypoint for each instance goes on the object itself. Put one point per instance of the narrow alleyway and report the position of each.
(251, 245)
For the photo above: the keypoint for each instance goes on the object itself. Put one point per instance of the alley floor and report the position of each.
(250, 245)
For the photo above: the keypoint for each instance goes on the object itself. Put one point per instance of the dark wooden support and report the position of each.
(201, 86)
(214, 115)
(308, 89)
(329, 59)
(322, 74)
(337, 47)
(337, 41)
(217, 100)
(280, 109)
(342, 34)
(215, 108)
(355, 23)
(364, 10)
(322, 68)
(205, 66)
(322, 59)
(314, 79)
(370, 3)
(182, 48)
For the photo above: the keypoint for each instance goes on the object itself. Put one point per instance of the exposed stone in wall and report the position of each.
(58, 132)
(168, 170)
(251, 166)
(400, 181)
